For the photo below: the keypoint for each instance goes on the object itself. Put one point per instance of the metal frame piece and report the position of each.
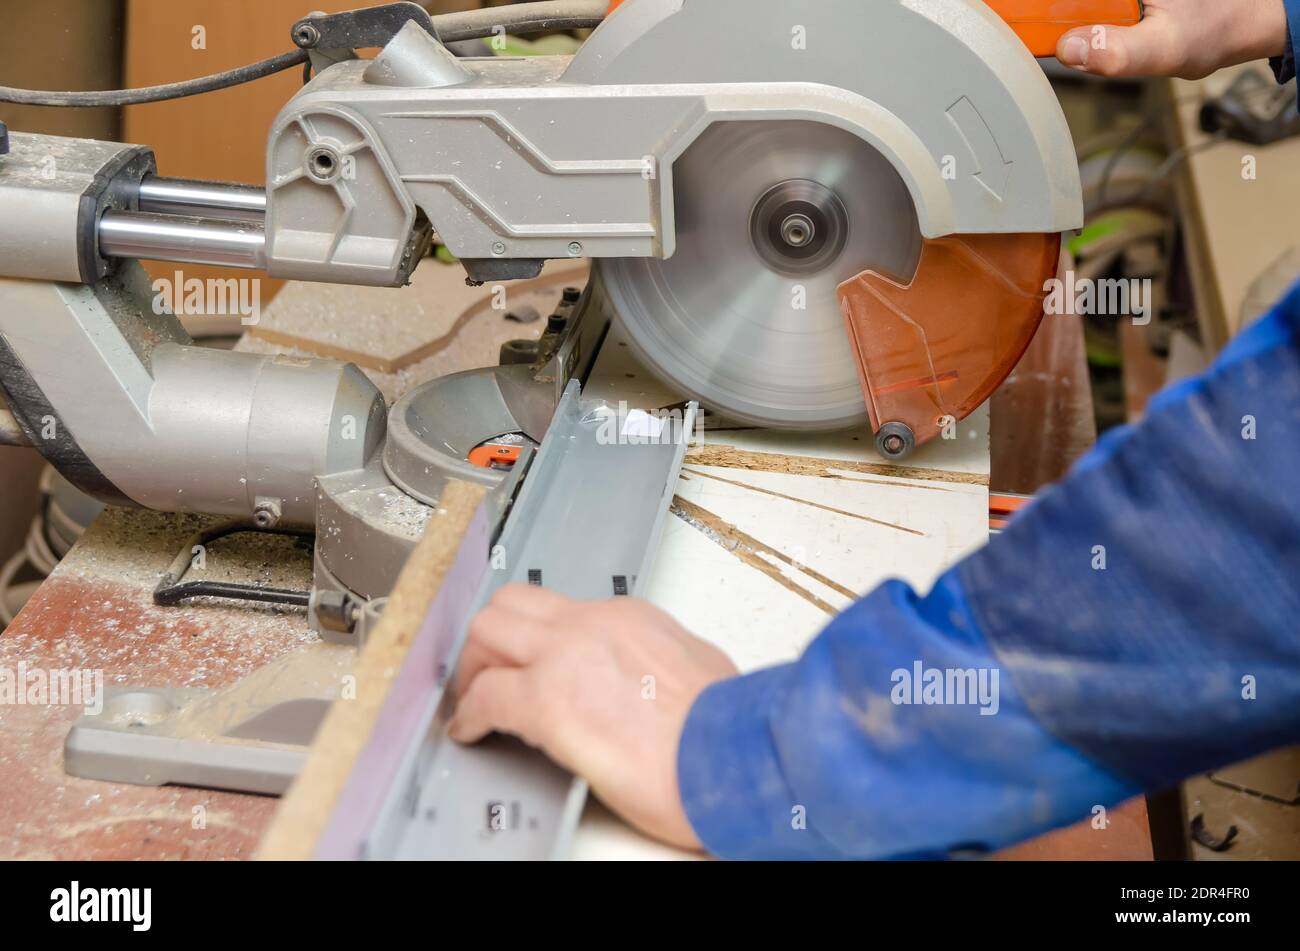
(252, 736)
(151, 420)
(586, 522)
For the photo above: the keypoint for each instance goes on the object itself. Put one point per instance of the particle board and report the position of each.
(310, 802)
(402, 337)
(391, 329)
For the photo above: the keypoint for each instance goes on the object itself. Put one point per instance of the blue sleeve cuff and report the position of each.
(1284, 65)
(730, 781)
(834, 756)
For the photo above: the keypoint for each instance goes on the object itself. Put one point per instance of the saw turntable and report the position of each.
(811, 216)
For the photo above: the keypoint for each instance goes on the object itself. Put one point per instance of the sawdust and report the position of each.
(808, 502)
(99, 611)
(96, 613)
(729, 457)
(402, 514)
(157, 817)
(756, 554)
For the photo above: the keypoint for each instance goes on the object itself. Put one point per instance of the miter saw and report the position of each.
(811, 215)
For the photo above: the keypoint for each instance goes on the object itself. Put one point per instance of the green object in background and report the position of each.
(558, 45)
(1102, 353)
(1103, 227)
(1135, 222)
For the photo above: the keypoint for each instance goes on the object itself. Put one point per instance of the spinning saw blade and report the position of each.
(803, 296)
(771, 218)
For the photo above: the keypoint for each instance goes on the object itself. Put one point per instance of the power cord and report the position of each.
(520, 19)
(135, 97)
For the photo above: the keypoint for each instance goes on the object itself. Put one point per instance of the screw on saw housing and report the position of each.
(895, 441)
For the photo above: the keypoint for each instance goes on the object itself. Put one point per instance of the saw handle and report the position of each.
(1042, 23)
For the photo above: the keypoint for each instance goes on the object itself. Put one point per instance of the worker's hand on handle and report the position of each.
(1186, 38)
(603, 688)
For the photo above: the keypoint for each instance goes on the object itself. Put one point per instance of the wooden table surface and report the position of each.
(96, 613)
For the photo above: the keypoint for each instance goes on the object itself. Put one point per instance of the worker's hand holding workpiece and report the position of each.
(1187, 38)
(1132, 627)
(603, 688)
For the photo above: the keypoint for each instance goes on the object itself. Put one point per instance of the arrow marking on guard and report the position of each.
(992, 170)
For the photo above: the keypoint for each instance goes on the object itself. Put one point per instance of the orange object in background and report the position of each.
(930, 352)
(1040, 23)
(1002, 506)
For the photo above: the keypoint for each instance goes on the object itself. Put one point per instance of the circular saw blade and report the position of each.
(758, 336)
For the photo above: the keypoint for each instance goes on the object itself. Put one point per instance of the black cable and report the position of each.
(1131, 140)
(187, 590)
(180, 90)
(1113, 160)
(451, 27)
(520, 19)
(173, 588)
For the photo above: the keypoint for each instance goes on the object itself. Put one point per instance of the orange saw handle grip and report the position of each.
(1042, 23)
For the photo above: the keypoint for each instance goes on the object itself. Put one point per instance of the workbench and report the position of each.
(770, 535)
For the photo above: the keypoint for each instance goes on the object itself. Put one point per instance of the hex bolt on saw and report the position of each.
(807, 215)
